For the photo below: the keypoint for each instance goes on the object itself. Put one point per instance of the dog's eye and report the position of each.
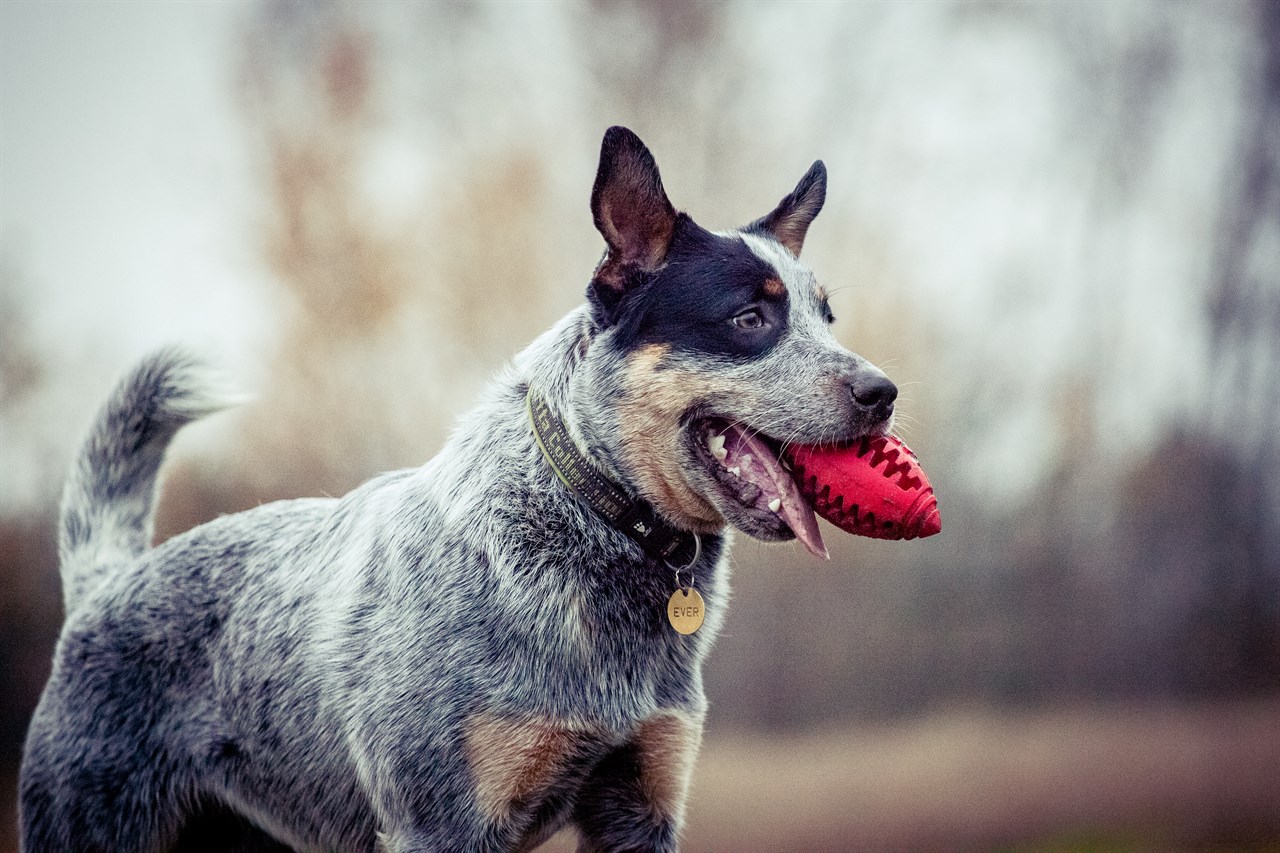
(831, 318)
(751, 319)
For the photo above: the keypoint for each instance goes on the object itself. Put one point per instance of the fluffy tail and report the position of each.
(108, 504)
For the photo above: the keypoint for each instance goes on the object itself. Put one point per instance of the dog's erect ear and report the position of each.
(790, 220)
(632, 213)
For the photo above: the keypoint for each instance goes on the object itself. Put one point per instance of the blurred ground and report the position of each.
(1153, 778)
(1157, 778)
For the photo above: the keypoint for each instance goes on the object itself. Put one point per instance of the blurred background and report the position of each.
(1056, 225)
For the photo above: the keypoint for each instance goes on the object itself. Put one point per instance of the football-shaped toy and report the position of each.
(874, 487)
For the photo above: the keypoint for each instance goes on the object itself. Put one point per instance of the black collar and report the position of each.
(633, 516)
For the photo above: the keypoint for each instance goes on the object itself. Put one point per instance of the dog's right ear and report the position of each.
(632, 213)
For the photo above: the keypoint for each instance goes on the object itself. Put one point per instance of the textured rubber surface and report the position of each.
(874, 487)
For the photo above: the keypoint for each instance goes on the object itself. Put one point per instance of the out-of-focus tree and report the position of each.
(30, 604)
(1243, 403)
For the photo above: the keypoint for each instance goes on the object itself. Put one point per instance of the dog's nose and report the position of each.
(874, 391)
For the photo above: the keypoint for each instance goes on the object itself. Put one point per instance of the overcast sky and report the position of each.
(123, 166)
(123, 181)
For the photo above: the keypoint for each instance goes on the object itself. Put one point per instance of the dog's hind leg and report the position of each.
(97, 777)
(634, 801)
(82, 795)
(78, 806)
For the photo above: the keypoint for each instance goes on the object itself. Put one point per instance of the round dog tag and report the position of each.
(685, 610)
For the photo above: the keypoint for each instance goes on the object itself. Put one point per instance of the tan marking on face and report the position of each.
(821, 292)
(647, 358)
(516, 760)
(666, 745)
(773, 288)
(649, 422)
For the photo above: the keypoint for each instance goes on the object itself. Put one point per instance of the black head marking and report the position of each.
(713, 295)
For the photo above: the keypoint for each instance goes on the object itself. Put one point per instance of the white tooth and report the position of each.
(736, 471)
(716, 443)
(775, 504)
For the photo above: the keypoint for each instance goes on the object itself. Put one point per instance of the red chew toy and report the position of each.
(874, 487)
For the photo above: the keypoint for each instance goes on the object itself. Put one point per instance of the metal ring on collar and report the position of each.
(697, 552)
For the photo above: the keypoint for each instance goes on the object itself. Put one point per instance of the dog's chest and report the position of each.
(532, 768)
(515, 761)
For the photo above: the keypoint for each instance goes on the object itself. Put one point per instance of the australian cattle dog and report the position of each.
(472, 654)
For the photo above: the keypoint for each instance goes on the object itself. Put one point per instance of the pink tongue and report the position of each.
(759, 466)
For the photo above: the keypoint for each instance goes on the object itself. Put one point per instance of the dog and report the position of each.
(472, 654)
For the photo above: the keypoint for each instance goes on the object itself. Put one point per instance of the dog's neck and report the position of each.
(630, 515)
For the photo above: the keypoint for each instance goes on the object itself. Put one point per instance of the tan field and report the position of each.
(1088, 779)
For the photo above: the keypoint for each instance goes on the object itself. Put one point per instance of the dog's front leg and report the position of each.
(634, 800)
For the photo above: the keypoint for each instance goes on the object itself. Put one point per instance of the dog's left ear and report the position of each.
(632, 213)
(790, 220)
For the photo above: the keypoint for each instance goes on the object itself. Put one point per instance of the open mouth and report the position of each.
(747, 468)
